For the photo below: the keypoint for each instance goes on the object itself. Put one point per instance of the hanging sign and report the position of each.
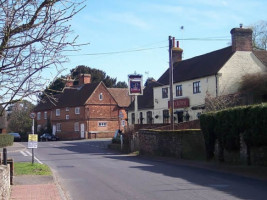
(135, 84)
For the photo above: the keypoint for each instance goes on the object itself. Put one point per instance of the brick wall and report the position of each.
(4, 182)
(182, 144)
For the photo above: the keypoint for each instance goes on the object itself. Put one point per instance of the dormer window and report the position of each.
(100, 96)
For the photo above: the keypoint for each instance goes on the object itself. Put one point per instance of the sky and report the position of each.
(139, 29)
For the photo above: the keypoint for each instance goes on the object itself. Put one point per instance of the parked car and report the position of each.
(48, 136)
(16, 136)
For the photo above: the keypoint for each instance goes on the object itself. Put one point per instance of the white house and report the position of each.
(215, 73)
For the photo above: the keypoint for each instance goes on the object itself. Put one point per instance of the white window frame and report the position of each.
(67, 109)
(196, 87)
(58, 125)
(101, 96)
(57, 112)
(76, 127)
(77, 110)
(67, 117)
(45, 115)
(39, 116)
(102, 124)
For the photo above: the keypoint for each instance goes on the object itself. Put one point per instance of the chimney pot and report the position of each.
(173, 42)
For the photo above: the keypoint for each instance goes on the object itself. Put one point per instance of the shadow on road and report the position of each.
(234, 185)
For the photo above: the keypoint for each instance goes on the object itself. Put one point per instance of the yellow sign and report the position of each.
(32, 141)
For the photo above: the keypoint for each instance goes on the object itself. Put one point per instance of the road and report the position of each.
(87, 170)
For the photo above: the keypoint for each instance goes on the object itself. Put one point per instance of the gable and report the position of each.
(107, 98)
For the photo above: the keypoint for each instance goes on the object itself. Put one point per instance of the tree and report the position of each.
(259, 36)
(34, 35)
(19, 119)
(96, 76)
(254, 87)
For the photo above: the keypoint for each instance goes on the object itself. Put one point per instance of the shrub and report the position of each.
(6, 140)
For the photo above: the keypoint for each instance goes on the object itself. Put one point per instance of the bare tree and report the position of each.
(260, 35)
(34, 35)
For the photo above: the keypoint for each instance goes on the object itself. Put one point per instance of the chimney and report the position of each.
(177, 52)
(69, 82)
(84, 79)
(241, 39)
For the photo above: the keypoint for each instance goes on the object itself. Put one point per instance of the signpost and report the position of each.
(32, 138)
(135, 88)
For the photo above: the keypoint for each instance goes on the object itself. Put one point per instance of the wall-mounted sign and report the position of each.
(135, 84)
(180, 103)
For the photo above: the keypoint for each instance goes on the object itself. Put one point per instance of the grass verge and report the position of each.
(27, 168)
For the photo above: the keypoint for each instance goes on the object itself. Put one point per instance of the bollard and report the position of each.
(4, 156)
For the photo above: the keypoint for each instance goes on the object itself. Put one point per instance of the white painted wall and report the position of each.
(241, 63)
(228, 79)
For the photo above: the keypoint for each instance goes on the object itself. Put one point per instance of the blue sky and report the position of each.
(122, 25)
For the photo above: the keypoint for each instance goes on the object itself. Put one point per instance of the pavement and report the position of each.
(28, 187)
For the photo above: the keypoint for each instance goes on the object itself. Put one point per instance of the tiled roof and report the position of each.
(121, 96)
(145, 101)
(71, 96)
(200, 66)
(262, 56)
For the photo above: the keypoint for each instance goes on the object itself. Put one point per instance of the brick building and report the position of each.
(88, 110)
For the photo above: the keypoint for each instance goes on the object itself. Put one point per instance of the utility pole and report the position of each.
(171, 80)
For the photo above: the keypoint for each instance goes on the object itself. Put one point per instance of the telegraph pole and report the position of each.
(171, 80)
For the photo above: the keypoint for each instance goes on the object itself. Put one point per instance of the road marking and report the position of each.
(23, 153)
(27, 153)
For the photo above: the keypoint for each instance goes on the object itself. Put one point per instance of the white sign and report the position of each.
(32, 141)
(32, 115)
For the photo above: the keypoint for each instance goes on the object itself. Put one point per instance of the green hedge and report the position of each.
(6, 140)
(226, 126)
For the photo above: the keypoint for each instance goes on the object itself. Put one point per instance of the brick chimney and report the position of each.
(177, 52)
(69, 82)
(84, 79)
(241, 39)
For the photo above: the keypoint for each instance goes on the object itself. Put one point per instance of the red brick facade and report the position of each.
(100, 116)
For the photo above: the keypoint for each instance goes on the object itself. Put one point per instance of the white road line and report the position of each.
(23, 153)
(30, 154)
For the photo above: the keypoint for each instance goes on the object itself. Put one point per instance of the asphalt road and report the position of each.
(87, 170)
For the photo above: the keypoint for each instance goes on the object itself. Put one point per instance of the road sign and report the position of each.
(32, 141)
(32, 115)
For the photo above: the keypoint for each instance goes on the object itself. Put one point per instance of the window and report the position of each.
(133, 118)
(76, 126)
(77, 110)
(67, 117)
(179, 90)
(67, 109)
(58, 127)
(165, 116)
(45, 115)
(38, 115)
(102, 124)
(57, 112)
(164, 93)
(100, 96)
(196, 87)
(149, 118)
(39, 127)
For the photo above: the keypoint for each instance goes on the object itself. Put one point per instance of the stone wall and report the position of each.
(185, 144)
(4, 182)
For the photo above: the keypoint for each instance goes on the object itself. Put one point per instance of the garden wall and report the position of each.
(4, 182)
(185, 144)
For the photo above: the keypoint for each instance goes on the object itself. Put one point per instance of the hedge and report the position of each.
(6, 140)
(227, 125)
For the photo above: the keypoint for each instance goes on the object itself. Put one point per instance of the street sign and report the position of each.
(32, 115)
(32, 141)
